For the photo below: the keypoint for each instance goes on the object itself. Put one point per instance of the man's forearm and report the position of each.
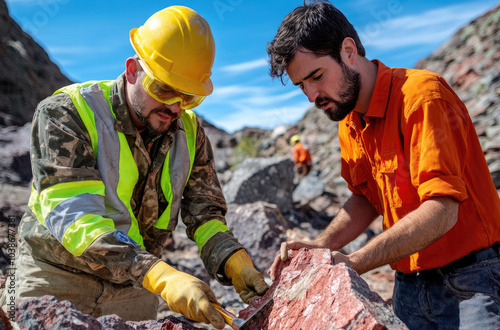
(118, 262)
(409, 235)
(352, 220)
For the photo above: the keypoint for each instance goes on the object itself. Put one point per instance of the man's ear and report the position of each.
(349, 52)
(132, 70)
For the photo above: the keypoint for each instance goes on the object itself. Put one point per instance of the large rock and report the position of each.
(308, 188)
(260, 228)
(183, 254)
(27, 75)
(13, 202)
(48, 313)
(312, 293)
(15, 166)
(262, 179)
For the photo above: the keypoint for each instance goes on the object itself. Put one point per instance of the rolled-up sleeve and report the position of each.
(435, 137)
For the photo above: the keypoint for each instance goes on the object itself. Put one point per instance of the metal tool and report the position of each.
(227, 315)
(240, 324)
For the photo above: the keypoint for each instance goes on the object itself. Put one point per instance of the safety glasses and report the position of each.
(165, 94)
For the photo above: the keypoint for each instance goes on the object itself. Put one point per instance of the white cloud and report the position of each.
(234, 90)
(225, 93)
(266, 100)
(241, 96)
(427, 28)
(245, 66)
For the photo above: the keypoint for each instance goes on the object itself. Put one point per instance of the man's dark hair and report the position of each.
(318, 27)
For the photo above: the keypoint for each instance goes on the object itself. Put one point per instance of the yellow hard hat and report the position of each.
(177, 47)
(294, 139)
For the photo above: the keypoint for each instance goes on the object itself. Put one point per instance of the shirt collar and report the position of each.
(380, 96)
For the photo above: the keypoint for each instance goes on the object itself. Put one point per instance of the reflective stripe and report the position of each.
(87, 116)
(42, 204)
(190, 128)
(175, 174)
(110, 155)
(70, 210)
(115, 163)
(84, 231)
(164, 218)
(207, 230)
(52, 206)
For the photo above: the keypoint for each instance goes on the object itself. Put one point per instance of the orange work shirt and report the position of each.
(301, 154)
(419, 142)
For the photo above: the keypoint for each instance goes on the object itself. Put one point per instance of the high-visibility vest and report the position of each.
(78, 212)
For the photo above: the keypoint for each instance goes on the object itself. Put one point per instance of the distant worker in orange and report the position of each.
(301, 156)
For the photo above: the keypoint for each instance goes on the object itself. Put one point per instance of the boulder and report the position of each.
(47, 312)
(222, 159)
(310, 221)
(260, 228)
(15, 166)
(183, 254)
(27, 74)
(308, 188)
(262, 179)
(310, 292)
(13, 202)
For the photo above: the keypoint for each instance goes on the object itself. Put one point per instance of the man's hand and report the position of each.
(247, 281)
(184, 294)
(283, 256)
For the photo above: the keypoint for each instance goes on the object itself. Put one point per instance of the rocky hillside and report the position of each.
(470, 62)
(27, 75)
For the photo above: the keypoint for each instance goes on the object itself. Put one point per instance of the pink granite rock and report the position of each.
(48, 313)
(312, 293)
(4, 321)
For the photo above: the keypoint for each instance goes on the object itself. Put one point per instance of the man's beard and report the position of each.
(351, 85)
(145, 120)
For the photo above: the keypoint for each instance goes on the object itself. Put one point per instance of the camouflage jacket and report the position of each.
(61, 151)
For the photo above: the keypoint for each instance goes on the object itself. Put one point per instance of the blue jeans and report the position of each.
(466, 298)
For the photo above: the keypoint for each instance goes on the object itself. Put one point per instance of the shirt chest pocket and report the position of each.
(357, 175)
(365, 184)
(387, 178)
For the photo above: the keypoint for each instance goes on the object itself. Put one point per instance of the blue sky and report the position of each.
(89, 41)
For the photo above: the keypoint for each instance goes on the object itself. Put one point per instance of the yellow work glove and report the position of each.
(184, 294)
(248, 281)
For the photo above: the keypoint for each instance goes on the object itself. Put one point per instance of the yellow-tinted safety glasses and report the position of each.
(165, 94)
